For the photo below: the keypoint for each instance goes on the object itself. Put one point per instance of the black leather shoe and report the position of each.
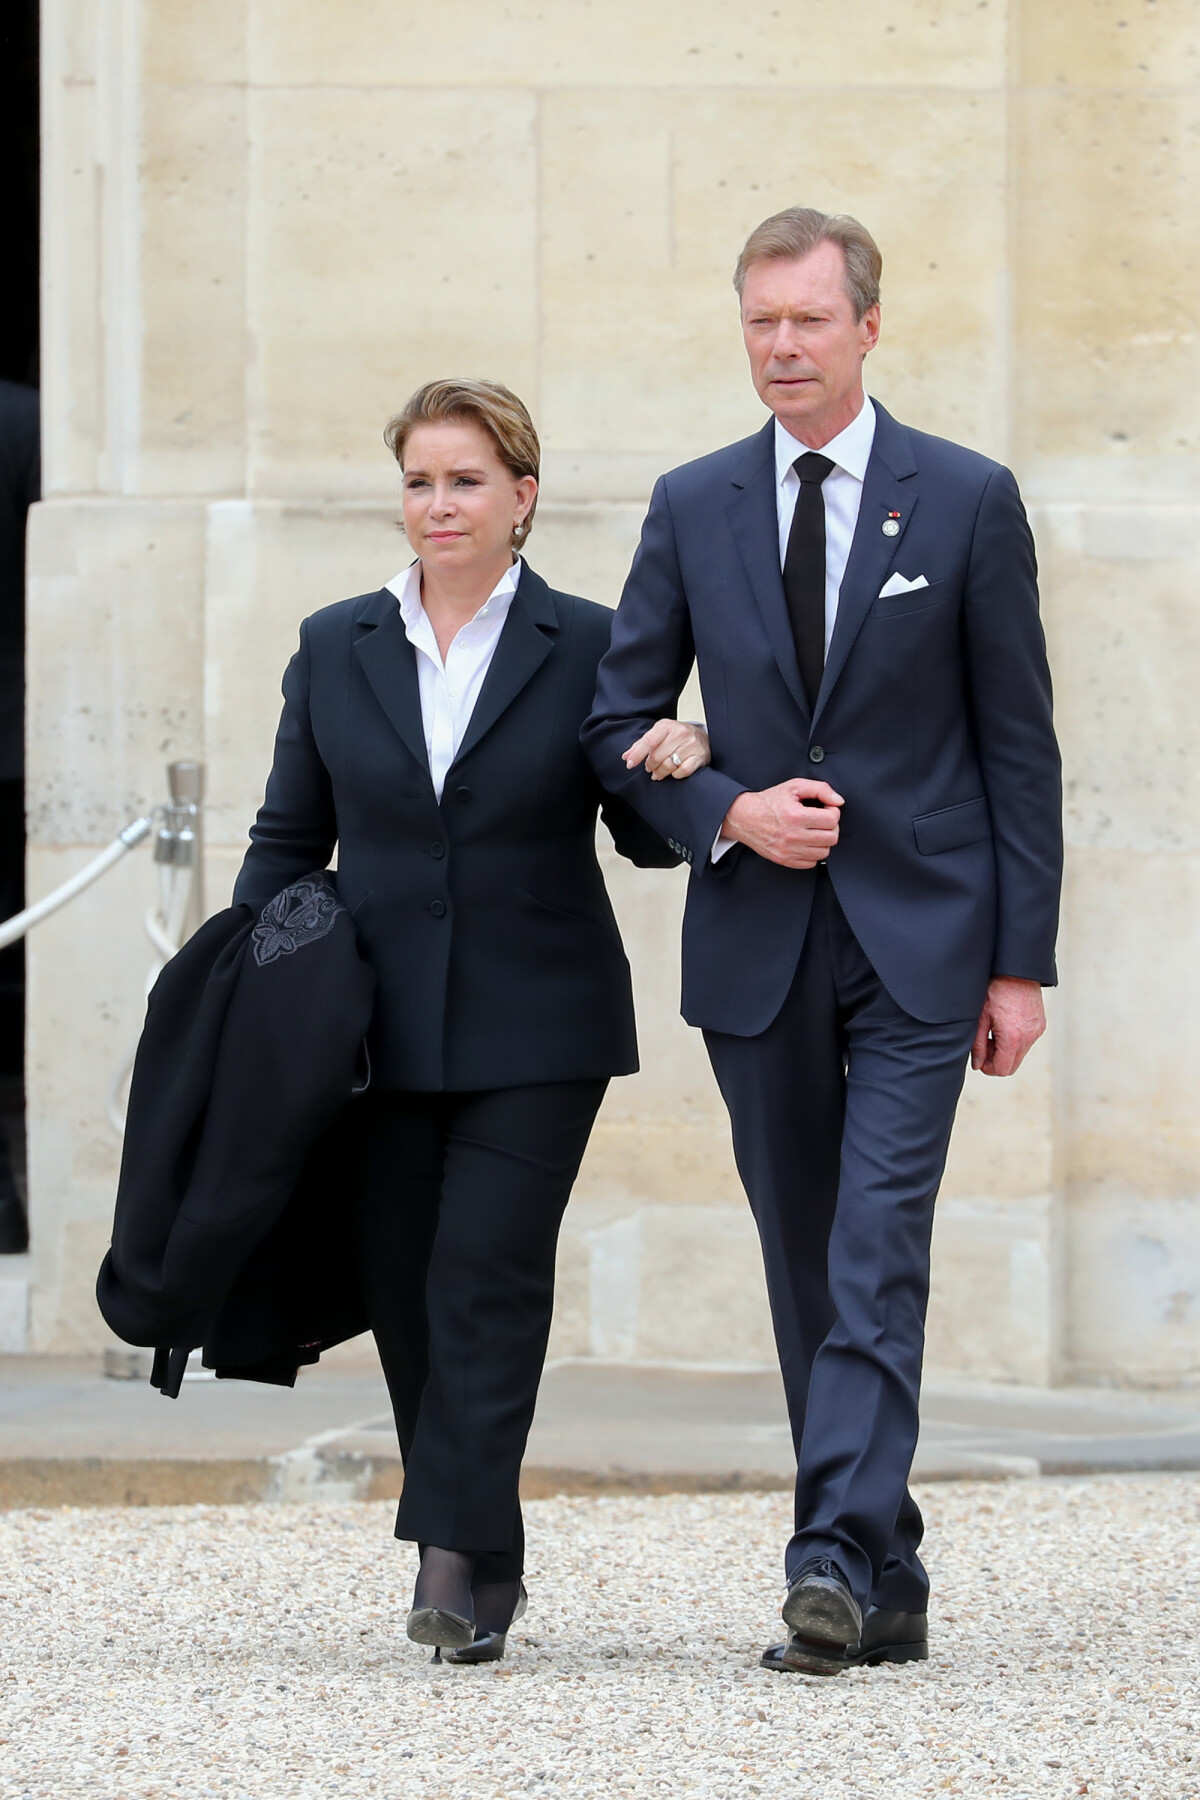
(821, 1610)
(892, 1637)
(488, 1645)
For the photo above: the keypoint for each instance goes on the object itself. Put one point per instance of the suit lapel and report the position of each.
(890, 487)
(524, 645)
(389, 663)
(754, 521)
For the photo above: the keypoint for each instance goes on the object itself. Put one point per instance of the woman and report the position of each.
(431, 732)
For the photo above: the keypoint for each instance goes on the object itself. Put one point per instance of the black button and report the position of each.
(437, 849)
(438, 908)
(816, 754)
(463, 794)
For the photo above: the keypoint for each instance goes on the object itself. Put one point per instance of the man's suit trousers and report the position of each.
(841, 1113)
(458, 1202)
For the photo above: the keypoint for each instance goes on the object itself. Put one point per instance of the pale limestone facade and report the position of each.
(265, 223)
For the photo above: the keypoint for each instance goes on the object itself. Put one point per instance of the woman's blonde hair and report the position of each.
(487, 403)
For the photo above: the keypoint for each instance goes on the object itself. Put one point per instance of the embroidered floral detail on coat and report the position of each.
(299, 915)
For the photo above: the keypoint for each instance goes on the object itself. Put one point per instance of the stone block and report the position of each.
(1003, 1141)
(70, 40)
(663, 1284)
(116, 622)
(65, 1319)
(1133, 1286)
(87, 978)
(14, 1311)
(267, 567)
(570, 1331)
(1124, 639)
(584, 549)
(193, 41)
(995, 1306)
(647, 199)
(702, 1295)
(1107, 44)
(1127, 1114)
(566, 43)
(193, 254)
(361, 288)
(1104, 276)
(72, 356)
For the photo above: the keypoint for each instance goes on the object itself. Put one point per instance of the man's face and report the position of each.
(806, 347)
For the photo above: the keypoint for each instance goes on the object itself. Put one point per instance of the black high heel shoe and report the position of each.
(488, 1646)
(445, 1579)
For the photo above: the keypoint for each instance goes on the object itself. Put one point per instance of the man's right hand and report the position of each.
(779, 825)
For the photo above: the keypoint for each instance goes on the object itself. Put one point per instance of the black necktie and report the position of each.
(804, 571)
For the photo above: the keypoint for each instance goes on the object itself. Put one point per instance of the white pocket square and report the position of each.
(896, 584)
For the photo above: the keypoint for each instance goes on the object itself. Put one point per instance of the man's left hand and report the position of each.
(1012, 1021)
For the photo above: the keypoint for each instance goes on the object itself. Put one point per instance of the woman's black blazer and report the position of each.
(485, 917)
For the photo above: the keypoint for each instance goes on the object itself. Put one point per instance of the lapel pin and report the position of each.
(891, 525)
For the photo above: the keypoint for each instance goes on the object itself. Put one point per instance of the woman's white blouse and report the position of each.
(450, 689)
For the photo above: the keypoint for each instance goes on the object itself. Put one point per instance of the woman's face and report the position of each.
(460, 502)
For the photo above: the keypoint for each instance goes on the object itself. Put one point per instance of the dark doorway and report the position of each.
(19, 192)
(20, 479)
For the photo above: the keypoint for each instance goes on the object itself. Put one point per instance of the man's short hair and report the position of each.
(797, 230)
(485, 403)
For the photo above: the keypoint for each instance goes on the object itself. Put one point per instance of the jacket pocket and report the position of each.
(953, 826)
(897, 606)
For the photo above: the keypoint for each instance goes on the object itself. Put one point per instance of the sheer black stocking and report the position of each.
(495, 1603)
(444, 1581)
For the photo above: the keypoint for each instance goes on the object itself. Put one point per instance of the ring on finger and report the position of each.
(676, 759)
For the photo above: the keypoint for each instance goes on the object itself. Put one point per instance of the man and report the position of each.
(876, 862)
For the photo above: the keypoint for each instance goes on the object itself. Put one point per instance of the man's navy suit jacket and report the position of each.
(933, 722)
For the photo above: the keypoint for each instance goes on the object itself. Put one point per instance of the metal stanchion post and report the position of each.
(181, 837)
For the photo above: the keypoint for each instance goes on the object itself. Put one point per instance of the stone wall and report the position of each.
(266, 223)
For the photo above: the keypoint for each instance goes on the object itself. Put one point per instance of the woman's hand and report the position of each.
(673, 747)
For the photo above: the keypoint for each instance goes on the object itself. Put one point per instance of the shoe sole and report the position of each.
(430, 1625)
(802, 1660)
(825, 1616)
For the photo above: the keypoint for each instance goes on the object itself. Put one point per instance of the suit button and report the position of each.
(437, 850)
(463, 794)
(438, 908)
(816, 754)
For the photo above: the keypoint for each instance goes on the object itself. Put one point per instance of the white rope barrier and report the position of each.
(178, 854)
(21, 922)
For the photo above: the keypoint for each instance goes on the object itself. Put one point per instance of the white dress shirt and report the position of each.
(450, 689)
(849, 452)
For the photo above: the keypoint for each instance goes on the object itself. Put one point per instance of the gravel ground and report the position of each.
(184, 1651)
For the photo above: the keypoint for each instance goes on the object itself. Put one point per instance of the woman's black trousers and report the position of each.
(457, 1205)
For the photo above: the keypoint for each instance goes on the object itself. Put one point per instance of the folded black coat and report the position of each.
(226, 1233)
